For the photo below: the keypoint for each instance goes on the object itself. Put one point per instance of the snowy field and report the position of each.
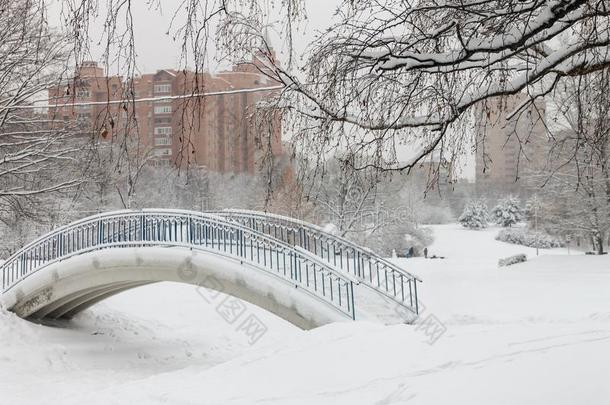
(533, 333)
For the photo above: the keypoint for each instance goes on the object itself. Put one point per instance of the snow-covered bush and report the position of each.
(526, 237)
(508, 212)
(475, 215)
(508, 261)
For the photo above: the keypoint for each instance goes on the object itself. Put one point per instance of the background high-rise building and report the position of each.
(219, 132)
(508, 149)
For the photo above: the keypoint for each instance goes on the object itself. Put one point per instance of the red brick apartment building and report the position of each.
(217, 132)
(508, 149)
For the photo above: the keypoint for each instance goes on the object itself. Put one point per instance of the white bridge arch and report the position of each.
(80, 264)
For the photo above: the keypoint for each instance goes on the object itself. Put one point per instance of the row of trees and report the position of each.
(554, 210)
(383, 213)
(157, 187)
(574, 186)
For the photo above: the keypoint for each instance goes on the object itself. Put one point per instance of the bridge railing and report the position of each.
(194, 230)
(368, 267)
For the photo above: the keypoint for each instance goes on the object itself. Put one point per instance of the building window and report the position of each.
(163, 109)
(83, 117)
(163, 130)
(163, 141)
(160, 152)
(163, 88)
(83, 94)
(163, 120)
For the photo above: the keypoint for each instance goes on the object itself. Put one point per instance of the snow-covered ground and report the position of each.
(533, 333)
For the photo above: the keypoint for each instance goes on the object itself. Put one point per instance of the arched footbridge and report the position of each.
(289, 267)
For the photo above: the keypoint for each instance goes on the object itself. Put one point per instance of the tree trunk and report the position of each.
(598, 244)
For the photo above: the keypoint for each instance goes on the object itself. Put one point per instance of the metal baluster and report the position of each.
(347, 261)
(410, 294)
(299, 271)
(339, 288)
(224, 238)
(351, 288)
(377, 272)
(143, 227)
(416, 300)
(386, 278)
(207, 233)
(277, 258)
(341, 258)
(251, 248)
(323, 283)
(270, 256)
(284, 254)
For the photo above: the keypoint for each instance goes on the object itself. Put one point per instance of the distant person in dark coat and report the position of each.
(411, 252)
(426, 252)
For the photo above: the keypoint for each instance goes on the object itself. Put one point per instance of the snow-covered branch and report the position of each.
(37, 156)
(409, 73)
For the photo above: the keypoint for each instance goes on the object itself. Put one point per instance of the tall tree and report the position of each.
(37, 156)
(577, 177)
